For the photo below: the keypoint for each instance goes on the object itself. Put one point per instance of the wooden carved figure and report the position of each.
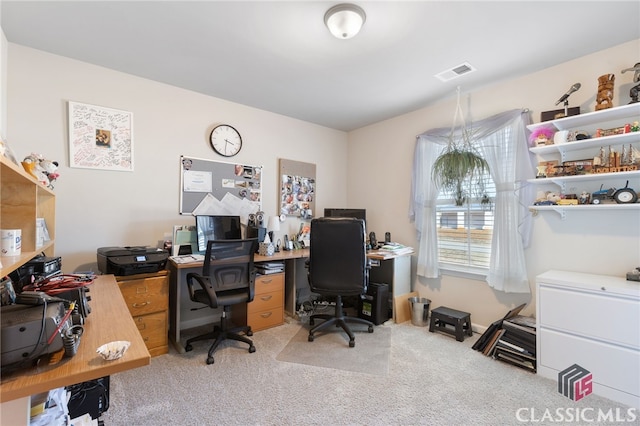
(604, 97)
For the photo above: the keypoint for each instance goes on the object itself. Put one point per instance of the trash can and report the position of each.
(419, 310)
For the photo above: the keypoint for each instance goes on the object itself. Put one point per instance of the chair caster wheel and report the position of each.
(370, 329)
(252, 349)
(249, 333)
(188, 348)
(310, 338)
(210, 360)
(352, 343)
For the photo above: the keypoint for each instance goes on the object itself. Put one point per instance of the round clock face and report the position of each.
(225, 140)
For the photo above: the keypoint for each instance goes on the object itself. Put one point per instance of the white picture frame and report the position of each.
(100, 138)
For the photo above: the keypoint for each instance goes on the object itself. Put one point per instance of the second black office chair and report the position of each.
(228, 278)
(338, 267)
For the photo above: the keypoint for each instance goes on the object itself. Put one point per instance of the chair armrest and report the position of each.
(252, 285)
(206, 286)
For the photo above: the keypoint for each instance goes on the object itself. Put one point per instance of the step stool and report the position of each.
(442, 317)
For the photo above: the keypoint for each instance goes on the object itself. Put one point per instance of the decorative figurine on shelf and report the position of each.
(604, 98)
(584, 198)
(45, 171)
(542, 136)
(633, 92)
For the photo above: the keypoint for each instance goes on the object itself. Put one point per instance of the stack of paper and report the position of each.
(395, 248)
(265, 268)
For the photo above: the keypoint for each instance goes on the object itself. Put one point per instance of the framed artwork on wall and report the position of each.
(100, 138)
(297, 188)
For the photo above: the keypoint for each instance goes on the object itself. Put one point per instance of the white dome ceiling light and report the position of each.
(344, 20)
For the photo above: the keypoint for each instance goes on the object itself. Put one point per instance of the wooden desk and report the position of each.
(181, 313)
(108, 321)
(394, 270)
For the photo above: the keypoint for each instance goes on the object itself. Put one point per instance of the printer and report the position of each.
(131, 260)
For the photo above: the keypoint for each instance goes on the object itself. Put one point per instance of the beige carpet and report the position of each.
(330, 349)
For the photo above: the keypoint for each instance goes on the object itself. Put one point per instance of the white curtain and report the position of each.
(502, 139)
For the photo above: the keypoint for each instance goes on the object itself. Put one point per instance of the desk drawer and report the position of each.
(266, 301)
(153, 329)
(269, 283)
(265, 319)
(601, 315)
(145, 296)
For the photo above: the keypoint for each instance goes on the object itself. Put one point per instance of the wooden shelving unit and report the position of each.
(22, 200)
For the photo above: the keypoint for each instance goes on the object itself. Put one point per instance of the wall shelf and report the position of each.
(604, 116)
(589, 148)
(562, 210)
(23, 200)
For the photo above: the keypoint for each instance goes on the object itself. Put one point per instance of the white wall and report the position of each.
(97, 208)
(3, 84)
(101, 208)
(380, 162)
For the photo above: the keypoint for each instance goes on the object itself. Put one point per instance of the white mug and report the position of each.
(11, 242)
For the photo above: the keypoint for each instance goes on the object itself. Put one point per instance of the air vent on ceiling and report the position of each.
(455, 72)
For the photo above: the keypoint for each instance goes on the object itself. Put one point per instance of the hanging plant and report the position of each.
(460, 164)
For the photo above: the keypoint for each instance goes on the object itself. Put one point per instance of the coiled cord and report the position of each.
(71, 339)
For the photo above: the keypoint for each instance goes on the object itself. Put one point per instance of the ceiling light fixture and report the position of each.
(344, 20)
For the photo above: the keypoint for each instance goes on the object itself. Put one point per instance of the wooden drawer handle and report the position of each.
(140, 305)
(266, 314)
(267, 281)
(267, 297)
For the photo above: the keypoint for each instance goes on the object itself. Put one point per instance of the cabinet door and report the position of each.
(269, 283)
(153, 328)
(266, 301)
(265, 319)
(145, 295)
(601, 316)
(612, 366)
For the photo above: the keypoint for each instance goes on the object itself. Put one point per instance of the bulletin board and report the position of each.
(297, 188)
(210, 187)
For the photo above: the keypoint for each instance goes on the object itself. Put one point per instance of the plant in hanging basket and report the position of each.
(455, 166)
(460, 167)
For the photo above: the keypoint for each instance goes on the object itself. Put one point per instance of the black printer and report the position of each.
(131, 260)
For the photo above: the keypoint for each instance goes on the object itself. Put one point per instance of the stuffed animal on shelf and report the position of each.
(45, 171)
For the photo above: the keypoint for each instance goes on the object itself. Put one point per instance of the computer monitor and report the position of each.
(217, 228)
(342, 212)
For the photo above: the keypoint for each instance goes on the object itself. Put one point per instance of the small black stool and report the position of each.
(443, 316)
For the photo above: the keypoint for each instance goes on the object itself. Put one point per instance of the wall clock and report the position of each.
(225, 140)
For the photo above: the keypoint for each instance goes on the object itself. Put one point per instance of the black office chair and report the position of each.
(338, 267)
(228, 278)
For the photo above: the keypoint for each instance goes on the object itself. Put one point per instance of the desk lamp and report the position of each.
(274, 225)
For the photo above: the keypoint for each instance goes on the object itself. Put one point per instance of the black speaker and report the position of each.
(255, 232)
(374, 305)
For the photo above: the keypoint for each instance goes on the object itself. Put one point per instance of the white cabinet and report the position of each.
(592, 321)
(587, 149)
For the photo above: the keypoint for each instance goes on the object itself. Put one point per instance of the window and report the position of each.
(477, 237)
(465, 232)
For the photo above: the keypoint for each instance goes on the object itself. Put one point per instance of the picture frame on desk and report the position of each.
(184, 240)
